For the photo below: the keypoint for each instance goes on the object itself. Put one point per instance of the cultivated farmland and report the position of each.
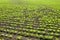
(29, 21)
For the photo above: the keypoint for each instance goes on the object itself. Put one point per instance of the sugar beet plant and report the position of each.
(29, 23)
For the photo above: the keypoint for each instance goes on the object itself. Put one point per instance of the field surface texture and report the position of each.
(29, 19)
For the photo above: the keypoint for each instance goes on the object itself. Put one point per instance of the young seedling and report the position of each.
(19, 37)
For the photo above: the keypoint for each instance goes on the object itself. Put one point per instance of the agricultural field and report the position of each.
(30, 20)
